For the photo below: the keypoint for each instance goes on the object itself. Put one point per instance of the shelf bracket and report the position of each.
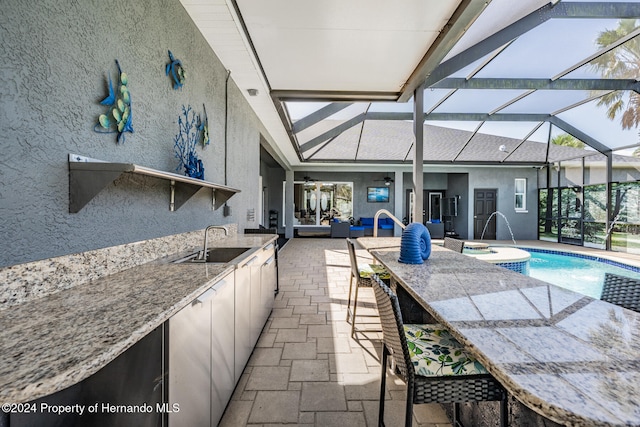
(84, 185)
(221, 197)
(183, 192)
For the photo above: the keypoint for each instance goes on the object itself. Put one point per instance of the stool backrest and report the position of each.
(392, 327)
(352, 257)
(622, 291)
(454, 244)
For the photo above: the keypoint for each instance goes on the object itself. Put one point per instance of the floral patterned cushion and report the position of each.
(368, 270)
(434, 352)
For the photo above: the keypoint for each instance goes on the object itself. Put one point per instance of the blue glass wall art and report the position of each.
(185, 144)
(176, 71)
(118, 117)
(203, 127)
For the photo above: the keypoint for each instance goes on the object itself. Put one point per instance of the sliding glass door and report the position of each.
(318, 203)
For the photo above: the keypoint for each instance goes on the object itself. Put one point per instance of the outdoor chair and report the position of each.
(622, 291)
(361, 273)
(417, 351)
(454, 244)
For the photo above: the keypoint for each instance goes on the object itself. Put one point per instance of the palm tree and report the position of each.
(567, 140)
(620, 63)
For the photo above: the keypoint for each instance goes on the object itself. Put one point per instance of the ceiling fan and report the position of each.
(309, 179)
(387, 180)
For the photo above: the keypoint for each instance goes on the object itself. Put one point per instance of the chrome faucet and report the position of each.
(203, 255)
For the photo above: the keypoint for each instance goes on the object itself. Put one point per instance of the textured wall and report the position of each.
(57, 55)
(523, 225)
(463, 182)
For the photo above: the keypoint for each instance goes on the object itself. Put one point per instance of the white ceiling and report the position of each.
(317, 45)
(359, 45)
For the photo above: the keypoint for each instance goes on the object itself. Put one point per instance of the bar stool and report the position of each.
(361, 273)
(418, 351)
(621, 290)
(454, 244)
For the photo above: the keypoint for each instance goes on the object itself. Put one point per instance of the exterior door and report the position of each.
(484, 201)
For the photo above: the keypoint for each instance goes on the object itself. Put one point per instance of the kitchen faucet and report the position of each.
(203, 255)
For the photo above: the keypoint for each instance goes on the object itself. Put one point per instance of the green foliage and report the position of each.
(568, 141)
(622, 62)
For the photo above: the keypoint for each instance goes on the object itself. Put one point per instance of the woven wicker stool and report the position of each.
(454, 244)
(361, 273)
(418, 351)
(622, 291)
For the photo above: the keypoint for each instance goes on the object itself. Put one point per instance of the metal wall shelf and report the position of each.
(87, 177)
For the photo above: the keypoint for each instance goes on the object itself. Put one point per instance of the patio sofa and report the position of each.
(385, 226)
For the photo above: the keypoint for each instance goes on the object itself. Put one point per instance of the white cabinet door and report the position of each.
(267, 286)
(201, 357)
(190, 363)
(256, 302)
(242, 305)
(222, 347)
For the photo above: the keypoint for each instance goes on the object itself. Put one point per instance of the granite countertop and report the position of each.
(56, 341)
(572, 359)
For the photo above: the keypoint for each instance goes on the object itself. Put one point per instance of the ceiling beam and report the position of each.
(577, 10)
(474, 117)
(597, 10)
(523, 140)
(467, 141)
(333, 95)
(317, 116)
(601, 52)
(489, 44)
(587, 139)
(408, 162)
(332, 133)
(538, 84)
(286, 121)
(462, 18)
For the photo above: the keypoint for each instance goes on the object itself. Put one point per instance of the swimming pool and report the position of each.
(577, 272)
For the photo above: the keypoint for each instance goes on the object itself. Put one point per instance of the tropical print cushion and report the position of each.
(434, 352)
(368, 270)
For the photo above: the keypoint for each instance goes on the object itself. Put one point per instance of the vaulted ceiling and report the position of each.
(335, 80)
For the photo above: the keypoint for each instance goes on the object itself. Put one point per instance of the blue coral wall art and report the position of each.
(118, 118)
(185, 142)
(175, 69)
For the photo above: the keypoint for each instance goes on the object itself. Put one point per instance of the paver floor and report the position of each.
(306, 368)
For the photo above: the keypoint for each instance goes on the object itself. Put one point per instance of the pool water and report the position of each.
(577, 274)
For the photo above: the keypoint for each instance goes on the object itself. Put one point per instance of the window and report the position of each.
(521, 195)
(318, 203)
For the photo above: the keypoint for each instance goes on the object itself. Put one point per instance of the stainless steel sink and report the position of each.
(216, 255)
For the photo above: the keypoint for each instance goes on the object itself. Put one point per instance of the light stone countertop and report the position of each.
(53, 342)
(570, 358)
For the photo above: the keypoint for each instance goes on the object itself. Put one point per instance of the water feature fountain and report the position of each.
(505, 220)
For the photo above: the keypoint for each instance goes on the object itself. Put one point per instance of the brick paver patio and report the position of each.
(306, 368)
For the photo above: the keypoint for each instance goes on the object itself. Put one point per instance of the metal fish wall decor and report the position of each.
(118, 118)
(203, 127)
(175, 69)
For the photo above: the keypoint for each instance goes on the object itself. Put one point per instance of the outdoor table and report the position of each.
(570, 358)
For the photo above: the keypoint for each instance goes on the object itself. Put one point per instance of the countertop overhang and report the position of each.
(54, 342)
(569, 357)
